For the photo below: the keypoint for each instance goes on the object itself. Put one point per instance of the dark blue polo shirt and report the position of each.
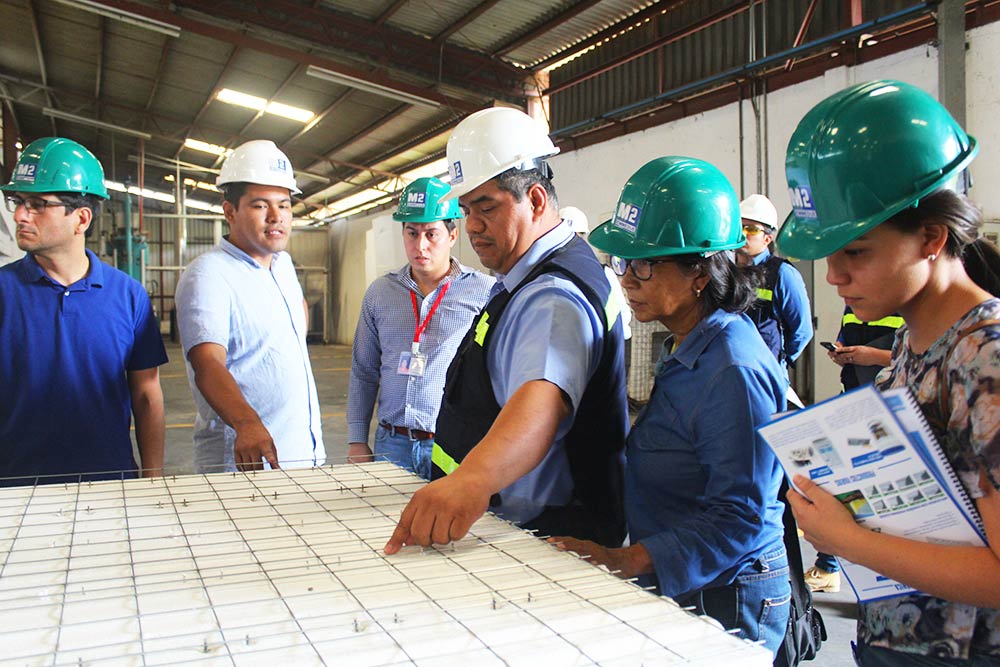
(65, 406)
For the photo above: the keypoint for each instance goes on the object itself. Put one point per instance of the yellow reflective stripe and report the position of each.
(893, 321)
(481, 328)
(612, 310)
(765, 294)
(442, 460)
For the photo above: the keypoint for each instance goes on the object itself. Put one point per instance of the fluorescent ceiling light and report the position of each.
(125, 17)
(369, 196)
(371, 87)
(239, 99)
(73, 118)
(206, 147)
(192, 183)
(161, 196)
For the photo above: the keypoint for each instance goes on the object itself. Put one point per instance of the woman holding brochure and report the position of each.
(873, 173)
(700, 487)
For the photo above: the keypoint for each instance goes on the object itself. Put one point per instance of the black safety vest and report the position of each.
(596, 440)
(762, 311)
(879, 334)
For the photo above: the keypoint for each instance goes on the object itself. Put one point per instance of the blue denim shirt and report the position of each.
(701, 487)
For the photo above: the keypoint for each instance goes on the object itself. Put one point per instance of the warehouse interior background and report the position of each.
(362, 95)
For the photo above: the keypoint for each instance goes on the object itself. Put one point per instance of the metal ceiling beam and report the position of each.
(609, 32)
(367, 130)
(211, 96)
(541, 30)
(476, 12)
(383, 45)
(723, 14)
(43, 70)
(389, 11)
(182, 123)
(801, 35)
(318, 118)
(272, 47)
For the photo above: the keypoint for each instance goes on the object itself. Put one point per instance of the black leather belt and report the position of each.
(411, 433)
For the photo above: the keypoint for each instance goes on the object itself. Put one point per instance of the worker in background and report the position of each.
(782, 312)
(81, 347)
(243, 322)
(579, 225)
(862, 350)
(534, 415)
(411, 323)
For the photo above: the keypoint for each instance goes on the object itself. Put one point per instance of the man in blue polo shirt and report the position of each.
(81, 345)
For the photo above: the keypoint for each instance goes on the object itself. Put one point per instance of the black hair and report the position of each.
(954, 211)
(518, 181)
(982, 263)
(731, 287)
(75, 200)
(233, 192)
(963, 219)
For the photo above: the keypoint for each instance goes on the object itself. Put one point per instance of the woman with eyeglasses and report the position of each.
(704, 519)
(873, 172)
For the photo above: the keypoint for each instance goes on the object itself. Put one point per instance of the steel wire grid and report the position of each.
(286, 567)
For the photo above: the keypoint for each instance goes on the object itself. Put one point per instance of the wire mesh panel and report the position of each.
(286, 567)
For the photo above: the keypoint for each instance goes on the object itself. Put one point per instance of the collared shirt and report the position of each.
(791, 306)
(65, 404)
(700, 485)
(227, 298)
(549, 331)
(385, 330)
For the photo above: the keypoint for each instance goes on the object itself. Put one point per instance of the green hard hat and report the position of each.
(673, 206)
(54, 164)
(863, 155)
(420, 201)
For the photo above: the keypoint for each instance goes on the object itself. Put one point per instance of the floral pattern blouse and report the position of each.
(969, 430)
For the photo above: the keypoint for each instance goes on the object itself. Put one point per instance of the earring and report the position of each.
(932, 256)
(697, 293)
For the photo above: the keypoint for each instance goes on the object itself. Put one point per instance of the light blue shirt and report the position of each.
(791, 307)
(549, 331)
(700, 484)
(385, 330)
(227, 298)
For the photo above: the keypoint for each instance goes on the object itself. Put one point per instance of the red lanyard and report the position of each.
(421, 326)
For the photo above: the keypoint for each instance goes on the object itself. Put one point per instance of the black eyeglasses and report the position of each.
(642, 269)
(33, 204)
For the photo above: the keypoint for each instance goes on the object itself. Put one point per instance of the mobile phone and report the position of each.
(828, 345)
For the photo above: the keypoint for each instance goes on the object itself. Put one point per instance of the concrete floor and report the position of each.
(331, 367)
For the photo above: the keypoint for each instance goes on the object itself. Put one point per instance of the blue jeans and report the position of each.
(757, 603)
(876, 656)
(414, 455)
(827, 563)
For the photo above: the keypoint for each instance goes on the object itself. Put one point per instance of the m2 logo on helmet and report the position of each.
(627, 217)
(25, 172)
(456, 172)
(802, 202)
(416, 200)
(277, 164)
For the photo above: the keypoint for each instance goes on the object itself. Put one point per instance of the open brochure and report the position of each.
(876, 454)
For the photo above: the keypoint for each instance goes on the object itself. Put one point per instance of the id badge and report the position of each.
(412, 364)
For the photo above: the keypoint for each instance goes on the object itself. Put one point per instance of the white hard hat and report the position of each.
(760, 209)
(576, 219)
(259, 162)
(491, 141)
